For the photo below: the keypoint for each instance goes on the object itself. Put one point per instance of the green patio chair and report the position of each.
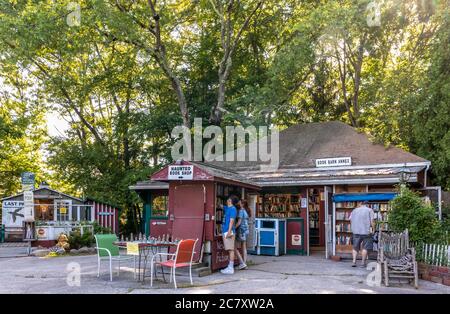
(2, 233)
(107, 250)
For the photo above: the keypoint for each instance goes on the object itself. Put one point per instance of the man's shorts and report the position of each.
(228, 243)
(365, 239)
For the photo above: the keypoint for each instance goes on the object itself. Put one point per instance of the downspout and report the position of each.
(426, 176)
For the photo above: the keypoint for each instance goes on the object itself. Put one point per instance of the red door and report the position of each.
(189, 214)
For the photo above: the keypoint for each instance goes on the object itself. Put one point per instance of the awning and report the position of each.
(354, 197)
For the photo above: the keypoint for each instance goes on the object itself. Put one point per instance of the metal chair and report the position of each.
(182, 257)
(2, 233)
(106, 249)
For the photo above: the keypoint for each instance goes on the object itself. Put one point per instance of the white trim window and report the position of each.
(63, 210)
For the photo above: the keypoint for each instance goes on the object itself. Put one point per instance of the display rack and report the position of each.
(314, 216)
(278, 205)
(342, 222)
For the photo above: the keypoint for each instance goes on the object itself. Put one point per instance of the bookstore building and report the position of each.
(303, 207)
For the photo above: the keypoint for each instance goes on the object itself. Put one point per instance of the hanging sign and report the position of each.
(333, 162)
(27, 178)
(181, 172)
(28, 207)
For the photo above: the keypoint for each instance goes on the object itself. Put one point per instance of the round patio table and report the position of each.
(145, 248)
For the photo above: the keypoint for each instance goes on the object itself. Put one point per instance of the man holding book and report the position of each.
(362, 224)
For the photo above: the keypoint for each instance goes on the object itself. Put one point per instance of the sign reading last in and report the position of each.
(181, 172)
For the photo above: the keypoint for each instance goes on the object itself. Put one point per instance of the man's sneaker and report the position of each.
(242, 266)
(228, 271)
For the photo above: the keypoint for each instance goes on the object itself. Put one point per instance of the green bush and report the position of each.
(76, 240)
(101, 230)
(410, 212)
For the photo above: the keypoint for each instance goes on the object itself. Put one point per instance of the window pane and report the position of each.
(74, 213)
(159, 206)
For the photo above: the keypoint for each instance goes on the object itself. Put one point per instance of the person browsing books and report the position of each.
(229, 231)
(362, 220)
(242, 231)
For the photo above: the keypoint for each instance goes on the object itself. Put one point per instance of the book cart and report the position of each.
(345, 203)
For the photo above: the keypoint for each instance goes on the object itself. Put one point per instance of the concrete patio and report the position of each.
(286, 274)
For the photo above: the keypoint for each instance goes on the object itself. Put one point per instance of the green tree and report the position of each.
(410, 212)
(22, 133)
(428, 118)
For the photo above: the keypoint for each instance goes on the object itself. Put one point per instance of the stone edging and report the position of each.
(437, 274)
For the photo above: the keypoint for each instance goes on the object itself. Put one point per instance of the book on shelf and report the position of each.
(343, 215)
(279, 205)
(343, 227)
(343, 240)
(345, 204)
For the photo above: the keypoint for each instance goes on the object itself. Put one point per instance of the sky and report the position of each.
(56, 125)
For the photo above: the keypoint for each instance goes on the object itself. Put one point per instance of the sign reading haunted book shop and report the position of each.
(181, 172)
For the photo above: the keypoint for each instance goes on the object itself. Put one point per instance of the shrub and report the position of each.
(100, 230)
(76, 240)
(410, 212)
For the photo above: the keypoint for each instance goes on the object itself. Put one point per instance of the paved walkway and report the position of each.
(13, 249)
(286, 274)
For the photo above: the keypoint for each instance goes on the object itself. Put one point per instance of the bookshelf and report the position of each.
(278, 205)
(223, 191)
(314, 216)
(342, 222)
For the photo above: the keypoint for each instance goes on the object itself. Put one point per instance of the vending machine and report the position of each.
(271, 236)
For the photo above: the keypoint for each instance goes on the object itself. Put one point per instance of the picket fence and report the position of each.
(433, 254)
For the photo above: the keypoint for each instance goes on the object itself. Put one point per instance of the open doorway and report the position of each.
(316, 214)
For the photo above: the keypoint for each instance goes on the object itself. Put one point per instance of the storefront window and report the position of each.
(85, 213)
(44, 212)
(62, 210)
(74, 213)
(159, 206)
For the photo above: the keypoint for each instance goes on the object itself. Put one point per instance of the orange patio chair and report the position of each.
(182, 257)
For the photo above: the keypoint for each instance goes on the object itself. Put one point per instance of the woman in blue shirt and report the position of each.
(242, 232)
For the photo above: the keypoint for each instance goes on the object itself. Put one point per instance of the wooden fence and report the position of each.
(433, 254)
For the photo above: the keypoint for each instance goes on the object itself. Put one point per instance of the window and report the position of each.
(159, 206)
(62, 210)
(85, 212)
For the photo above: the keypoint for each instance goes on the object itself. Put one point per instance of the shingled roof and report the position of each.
(300, 145)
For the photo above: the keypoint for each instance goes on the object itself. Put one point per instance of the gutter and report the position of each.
(376, 166)
(334, 181)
